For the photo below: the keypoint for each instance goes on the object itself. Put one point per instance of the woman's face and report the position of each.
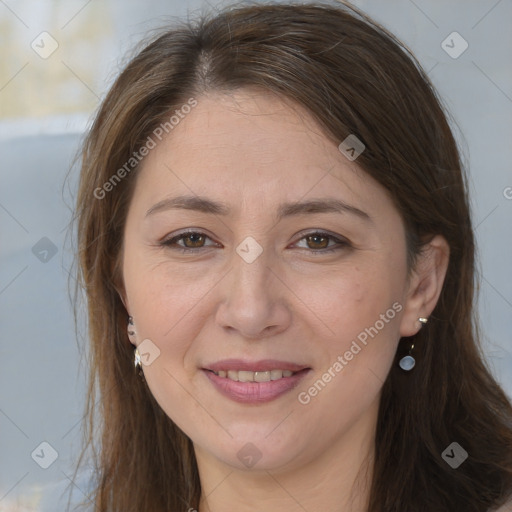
(297, 262)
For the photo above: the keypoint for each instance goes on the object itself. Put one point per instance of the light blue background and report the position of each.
(41, 377)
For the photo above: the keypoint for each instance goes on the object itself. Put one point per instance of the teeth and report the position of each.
(262, 377)
(247, 376)
(232, 375)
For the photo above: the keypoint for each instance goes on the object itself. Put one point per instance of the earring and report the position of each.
(131, 330)
(132, 335)
(137, 362)
(408, 362)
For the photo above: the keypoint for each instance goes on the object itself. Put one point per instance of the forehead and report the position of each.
(256, 148)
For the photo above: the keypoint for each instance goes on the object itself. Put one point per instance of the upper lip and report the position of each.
(254, 366)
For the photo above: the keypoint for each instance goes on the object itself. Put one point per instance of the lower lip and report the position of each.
(255, 392)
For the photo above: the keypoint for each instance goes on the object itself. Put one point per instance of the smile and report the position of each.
(254, 382)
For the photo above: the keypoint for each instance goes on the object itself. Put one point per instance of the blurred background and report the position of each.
(57, 60)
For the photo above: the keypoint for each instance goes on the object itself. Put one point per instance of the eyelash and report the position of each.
(171, 242)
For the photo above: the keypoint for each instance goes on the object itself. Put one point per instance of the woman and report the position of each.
(273, 227)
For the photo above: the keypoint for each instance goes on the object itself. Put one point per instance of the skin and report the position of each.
(252, 151)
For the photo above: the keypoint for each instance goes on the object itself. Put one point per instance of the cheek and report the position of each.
(163, 298)
(162, 304)
(361, 313)
(350, 300)
(356, 367)
(169, 309)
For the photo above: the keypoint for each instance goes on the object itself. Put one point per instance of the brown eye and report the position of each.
(317, 241)
(188, 241)
(196, 240)
(321, 243)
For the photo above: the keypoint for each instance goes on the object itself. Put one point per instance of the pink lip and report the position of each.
(254, 392)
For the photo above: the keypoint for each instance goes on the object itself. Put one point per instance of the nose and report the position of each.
(253, 302)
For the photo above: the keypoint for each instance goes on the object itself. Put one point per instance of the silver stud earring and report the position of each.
(132, 336)
(408, 362)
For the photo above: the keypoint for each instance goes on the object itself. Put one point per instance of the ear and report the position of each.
(425, 284)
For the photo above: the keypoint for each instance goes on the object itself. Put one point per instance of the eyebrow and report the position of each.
(205, 205)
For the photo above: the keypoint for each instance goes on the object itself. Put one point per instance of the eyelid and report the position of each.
(322, 232)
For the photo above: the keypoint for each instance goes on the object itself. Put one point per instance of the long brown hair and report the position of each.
(353, 77)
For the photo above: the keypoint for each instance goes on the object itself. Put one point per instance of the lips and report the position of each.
(256, 381)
